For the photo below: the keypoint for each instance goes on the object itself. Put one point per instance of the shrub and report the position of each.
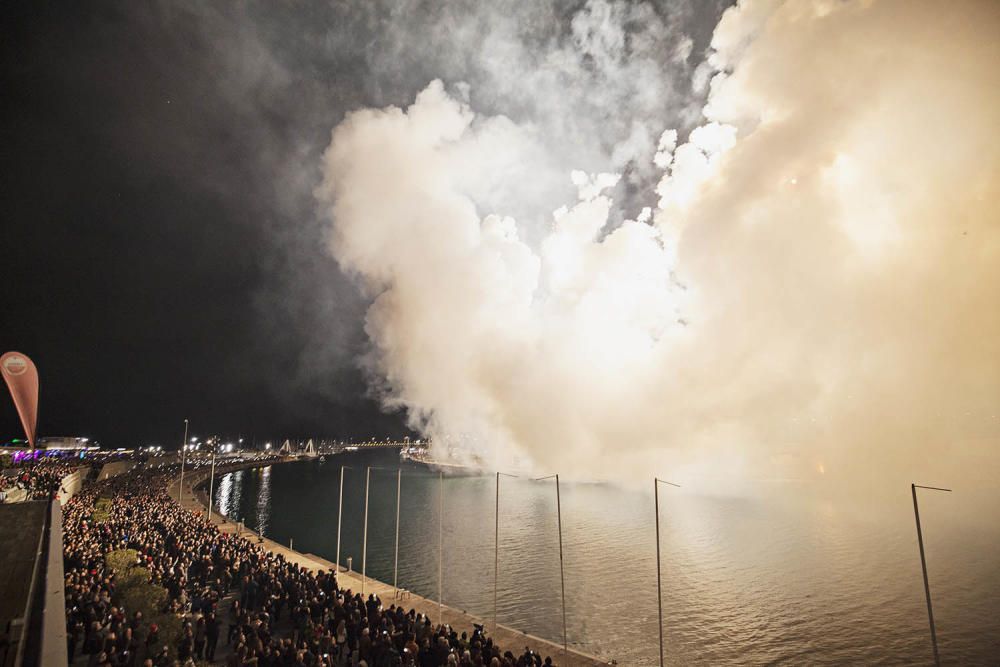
(102, 510)
(122, 560)
(134, 592)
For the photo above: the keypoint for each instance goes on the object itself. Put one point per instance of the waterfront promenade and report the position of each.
(195, 499)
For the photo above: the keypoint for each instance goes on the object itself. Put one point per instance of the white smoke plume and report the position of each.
(817, 290)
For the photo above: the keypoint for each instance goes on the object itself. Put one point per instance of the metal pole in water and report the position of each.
(562, 576)
(364, 547)
(340, 511)
(496, 555)
(180, 487)
(923, 566)
(659, 585)
(496, 550)
(440, 546)
(211, 489)
(395, 563)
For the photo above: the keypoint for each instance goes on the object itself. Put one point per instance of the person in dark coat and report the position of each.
(200, 637)
(211, 636)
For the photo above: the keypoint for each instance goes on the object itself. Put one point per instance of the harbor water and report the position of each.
(793, 573)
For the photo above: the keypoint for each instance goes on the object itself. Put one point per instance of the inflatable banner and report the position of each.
(21, 376)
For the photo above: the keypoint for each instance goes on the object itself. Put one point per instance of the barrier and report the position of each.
(114, 469)
(70, 485)
(53, 644)
(154, 461)
(15, 495)
(38, 635)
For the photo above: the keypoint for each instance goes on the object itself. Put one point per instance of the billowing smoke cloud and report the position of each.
(816, 291)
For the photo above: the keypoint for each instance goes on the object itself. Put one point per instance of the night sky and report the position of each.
(147, 268)
(165, 257)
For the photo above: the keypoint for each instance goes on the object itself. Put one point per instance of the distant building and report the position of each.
(63, 442)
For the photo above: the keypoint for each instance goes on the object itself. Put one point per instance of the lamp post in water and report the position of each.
(562, 576)
(340, 512)
(364, 546)
(180, 487)
(440, 547)
(659, 586)
(923, 566)
(395, 560)
(395, 566)
(496, 550)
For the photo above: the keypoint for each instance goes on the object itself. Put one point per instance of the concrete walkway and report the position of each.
(509, 639)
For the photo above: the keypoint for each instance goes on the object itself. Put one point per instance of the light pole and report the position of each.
(440, 547)
(923, 566)
(180, 487)
(562, 576)
(395, 562)
(340, 512)
(659, 586)
(364, 546)
(395, 566)
(496, 550)
(211, 488)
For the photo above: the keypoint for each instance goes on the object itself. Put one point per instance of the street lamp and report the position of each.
(180, 487)
(395, 561)
(211, 488)
(562, 576)
(923, 566)
(340, 509)
(441, 548)
(496, 550)
(395, 566)
(364, 547)
(659, 586)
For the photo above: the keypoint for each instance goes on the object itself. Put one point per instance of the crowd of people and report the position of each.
(39, 479)
(240, 604)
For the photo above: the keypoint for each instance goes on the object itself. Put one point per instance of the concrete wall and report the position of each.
(53, 653)
(157, 460)
(114, 469)
(16, 495)
(71, 485)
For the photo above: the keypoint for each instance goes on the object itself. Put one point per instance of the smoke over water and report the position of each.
(813, 290)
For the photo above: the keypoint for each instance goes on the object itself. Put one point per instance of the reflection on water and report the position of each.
(794, 575)
(264, 500)
(228, 493)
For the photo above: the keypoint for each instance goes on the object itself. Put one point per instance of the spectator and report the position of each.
(196, 564)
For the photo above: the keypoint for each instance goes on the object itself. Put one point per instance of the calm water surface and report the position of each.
(795, 575)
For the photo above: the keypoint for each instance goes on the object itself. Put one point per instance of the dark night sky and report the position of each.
(141, 231)
(164, 257)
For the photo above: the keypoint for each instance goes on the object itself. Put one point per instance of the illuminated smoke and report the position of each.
(817, 289)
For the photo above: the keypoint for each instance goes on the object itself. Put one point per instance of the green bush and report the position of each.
(102, 510)
(122, 560)
(134, 592)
